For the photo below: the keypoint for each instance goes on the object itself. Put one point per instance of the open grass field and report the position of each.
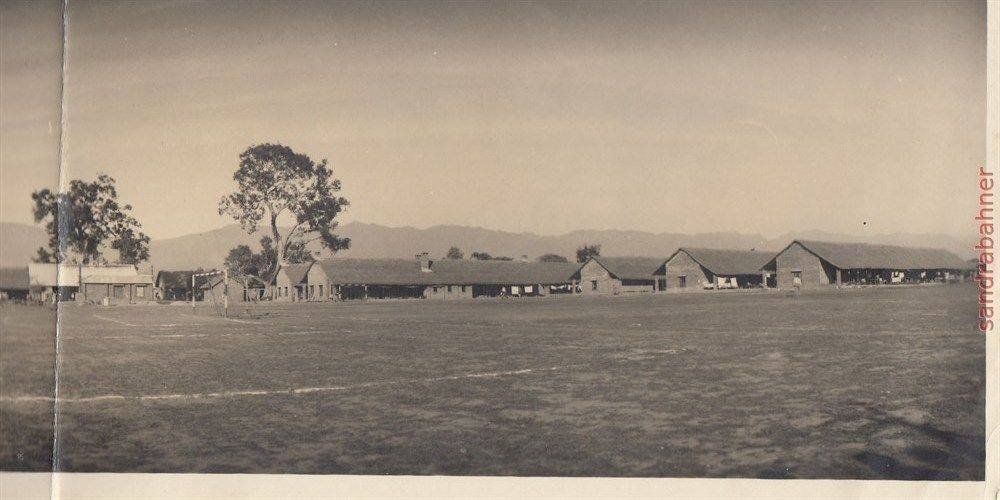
(868, 383)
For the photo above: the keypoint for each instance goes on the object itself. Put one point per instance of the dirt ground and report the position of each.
(863, 383)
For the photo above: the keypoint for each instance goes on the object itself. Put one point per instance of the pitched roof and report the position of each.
(123, 270)
(500, 272)
(371, 271)
(296, 272)
(14, 278)
(630, 268)
(137, 279)
(215, 280)
(727, 262)
(345, 271)
(49, 274)
(865, 256)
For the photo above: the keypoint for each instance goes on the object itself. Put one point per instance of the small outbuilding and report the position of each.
(812, 264)
(110, 284)
(694, 269)
(215, 289)
(51, 282)
(617, 275)
(290, 285)
(116, 288)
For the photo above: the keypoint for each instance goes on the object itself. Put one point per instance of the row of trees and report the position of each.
(287, 194)
(275, 187)
(582, 254)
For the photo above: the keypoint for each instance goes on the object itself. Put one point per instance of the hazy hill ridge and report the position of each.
(18, 242)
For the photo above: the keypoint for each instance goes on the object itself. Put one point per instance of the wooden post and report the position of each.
(225, 293)
(192, 293)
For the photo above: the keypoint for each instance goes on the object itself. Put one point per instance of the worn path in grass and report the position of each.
(874, 383)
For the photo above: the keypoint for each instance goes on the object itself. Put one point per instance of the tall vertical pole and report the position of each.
(225, 293)
(192, 293)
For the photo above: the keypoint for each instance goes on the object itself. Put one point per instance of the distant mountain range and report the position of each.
(18, 243)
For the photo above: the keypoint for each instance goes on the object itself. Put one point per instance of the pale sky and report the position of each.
(663, 117)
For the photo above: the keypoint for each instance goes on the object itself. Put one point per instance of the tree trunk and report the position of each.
(278, 246)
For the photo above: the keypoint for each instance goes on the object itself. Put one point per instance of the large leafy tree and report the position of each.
(586, 252)
(455, 253)
(274, 184)
(84, 220)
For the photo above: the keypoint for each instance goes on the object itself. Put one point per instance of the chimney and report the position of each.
(424, 261)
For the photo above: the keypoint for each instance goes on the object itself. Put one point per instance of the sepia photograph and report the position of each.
(679, 239)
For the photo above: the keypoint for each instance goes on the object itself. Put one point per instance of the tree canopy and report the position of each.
(273, 182)
(586, 252)
(486, 256)
(245, 266)
(249, 268)
(84, 220)
(551, 257)
(455, 253)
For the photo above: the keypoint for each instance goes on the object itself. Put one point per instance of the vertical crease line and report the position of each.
(55, 489)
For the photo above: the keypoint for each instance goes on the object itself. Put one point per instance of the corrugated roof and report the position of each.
(500, 272)
(866, 256)
(139, 279)
(630, 268)
(110, 270)
(445, 272)
(14, 278)
(47, 274)
(727, 262)
(372, 271)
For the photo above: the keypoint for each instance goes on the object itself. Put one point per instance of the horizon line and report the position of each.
(532, 233)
